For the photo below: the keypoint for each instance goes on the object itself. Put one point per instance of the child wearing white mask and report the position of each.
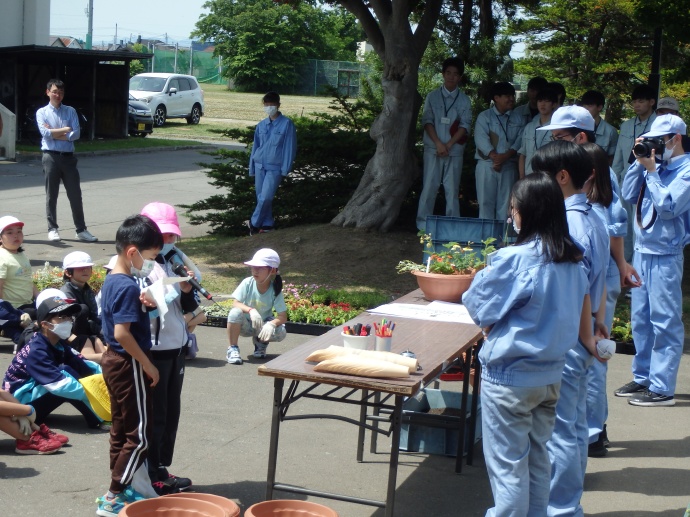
(273, 152)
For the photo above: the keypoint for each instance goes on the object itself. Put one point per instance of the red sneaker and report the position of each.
(37, 444)
(49, 433)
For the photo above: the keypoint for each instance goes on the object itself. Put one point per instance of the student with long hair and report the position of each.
(528, 300)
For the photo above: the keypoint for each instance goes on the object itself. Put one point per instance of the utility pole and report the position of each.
(89, 34)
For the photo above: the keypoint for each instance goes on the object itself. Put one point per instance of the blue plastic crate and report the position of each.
(466, 231)
(435, 440)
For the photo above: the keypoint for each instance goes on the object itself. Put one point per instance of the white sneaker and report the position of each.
(86, 236)
(54, 236)
(233, 355)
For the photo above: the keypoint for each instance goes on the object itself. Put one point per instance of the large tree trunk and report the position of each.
(390, 172)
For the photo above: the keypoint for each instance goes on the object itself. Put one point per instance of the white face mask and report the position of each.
(167, 248)
(516, 227)
(271, 110)
(668, 153)
(145, 270)
(62, 330)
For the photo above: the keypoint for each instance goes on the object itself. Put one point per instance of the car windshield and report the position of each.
(147, 84)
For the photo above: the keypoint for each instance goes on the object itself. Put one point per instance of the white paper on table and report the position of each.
(158, 290)
(435, 311)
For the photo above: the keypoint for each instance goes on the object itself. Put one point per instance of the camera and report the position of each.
(644, 149)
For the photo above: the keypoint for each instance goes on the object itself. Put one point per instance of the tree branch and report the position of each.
(425, 27)
(369, 24)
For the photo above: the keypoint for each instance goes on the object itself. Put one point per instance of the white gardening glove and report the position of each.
(32, 416)
(257, 320)
(267, 332)
(25, 320)
(24, 424)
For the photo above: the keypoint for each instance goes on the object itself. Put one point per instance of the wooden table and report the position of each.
(437, 345)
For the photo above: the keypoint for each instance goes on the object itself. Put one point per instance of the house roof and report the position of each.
(69, 53)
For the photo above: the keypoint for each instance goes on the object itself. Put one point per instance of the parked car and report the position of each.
(169, 96)
(140, 120)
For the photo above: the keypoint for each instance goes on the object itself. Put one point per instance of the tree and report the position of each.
(262, 42)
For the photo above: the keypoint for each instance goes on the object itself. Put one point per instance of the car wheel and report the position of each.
(143, 135)
(195, 115)
(159, 116)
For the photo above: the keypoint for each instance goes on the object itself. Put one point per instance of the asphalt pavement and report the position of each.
(224, 430)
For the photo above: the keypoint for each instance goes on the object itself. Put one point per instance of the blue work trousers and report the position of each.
(657, 327)
(493, 189)
(266, 183)
(516, 424)
(569, 442)
(597, 402)
(437, 170)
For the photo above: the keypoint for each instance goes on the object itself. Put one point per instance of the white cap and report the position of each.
(666, 125)
(8, 220)
(111, 263)
(51, 292)
(77, 259)
(575, 117)
(264, 257)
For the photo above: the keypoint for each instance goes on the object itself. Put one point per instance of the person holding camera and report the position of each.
(662, 229)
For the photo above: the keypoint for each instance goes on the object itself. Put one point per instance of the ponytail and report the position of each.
(277, 284)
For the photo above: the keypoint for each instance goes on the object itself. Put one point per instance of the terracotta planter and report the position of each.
(178, 507)
(445, 288)
(289, 508)
(231, 509)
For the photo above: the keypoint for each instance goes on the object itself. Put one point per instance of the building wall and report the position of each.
(24, 22)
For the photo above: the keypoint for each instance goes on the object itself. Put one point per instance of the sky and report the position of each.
(152, 19)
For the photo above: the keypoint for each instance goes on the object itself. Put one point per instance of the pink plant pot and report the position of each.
(445, 288)
(289, 508)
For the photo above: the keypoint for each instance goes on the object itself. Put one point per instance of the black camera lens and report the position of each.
(644, 149)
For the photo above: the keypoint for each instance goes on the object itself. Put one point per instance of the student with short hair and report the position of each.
(529, 110)
(447, 120)
(605, 134)
(129, 373)
(528, 301)
(547, 103)
(498, 137)
(569, 165)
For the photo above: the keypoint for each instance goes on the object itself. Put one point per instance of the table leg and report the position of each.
(375, 423)
(463, 409)
(275, 430)
(396, 422)
(362, 429)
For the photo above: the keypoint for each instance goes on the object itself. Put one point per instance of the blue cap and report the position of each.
(666, 125)
(567, 117)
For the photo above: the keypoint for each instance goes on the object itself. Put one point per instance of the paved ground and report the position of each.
(224, 432)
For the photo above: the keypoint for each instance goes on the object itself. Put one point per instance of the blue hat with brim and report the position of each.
(666, 125)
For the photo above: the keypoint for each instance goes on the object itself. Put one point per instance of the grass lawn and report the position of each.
(115, 144)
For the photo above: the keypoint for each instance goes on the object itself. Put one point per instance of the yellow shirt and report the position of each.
(15, 270)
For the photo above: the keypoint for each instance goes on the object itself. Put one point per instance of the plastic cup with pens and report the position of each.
(384, 335)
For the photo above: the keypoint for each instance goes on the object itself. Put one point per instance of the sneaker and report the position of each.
(49, 433)
(164, 488)
(597, 449)
(649, 398)
(111, 507)
(605, 437)
(179, 482)
(54, 236)
(37, 444)
(233, 355)
(259, 349)
(132, 496)
(86, 236)
(252, 229)
(629, 389)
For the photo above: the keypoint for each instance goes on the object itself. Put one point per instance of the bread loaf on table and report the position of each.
(362, 367)
(334, 351)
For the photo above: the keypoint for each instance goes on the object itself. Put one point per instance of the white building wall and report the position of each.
(24, 22)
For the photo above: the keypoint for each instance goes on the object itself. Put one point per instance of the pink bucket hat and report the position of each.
(164, 216)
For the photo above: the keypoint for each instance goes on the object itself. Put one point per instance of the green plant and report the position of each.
(621, 328)
(455, 260)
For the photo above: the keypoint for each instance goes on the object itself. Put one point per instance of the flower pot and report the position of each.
(231, 509)
(289, 508)
(179, 507)
(445, 288)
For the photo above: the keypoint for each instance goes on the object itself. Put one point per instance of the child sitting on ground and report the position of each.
(18, 420)
(252, 309)
(45, 372)
(16, 285)
(87, 338)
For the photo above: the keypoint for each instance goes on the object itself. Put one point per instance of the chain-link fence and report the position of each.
(317, 75)
(202, 65)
